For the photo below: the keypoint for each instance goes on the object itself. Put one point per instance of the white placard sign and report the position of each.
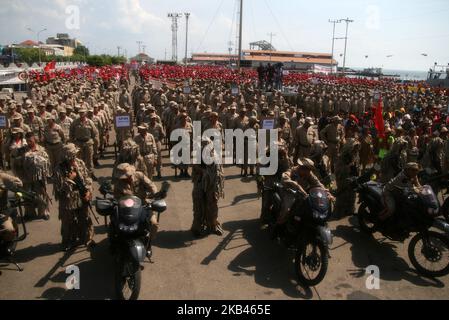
(268, 124)
(3, 121)
(123, 121)
(235, 91)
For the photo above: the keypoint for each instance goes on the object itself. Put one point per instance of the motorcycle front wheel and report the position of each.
(128, 278)
(311, 262)
(429, 254)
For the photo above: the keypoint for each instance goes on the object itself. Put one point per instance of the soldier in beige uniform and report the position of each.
(92, 114)
(130, 182)
(148, 148)
(158, 133)
(64, 122)
(17, 147)
(42, 113)
(7, 229)
(76, 224)
(84, 134)
(304, 139)
(208, 188)
(333, 135)
(37, 164)
(53, 139)
(35, 123)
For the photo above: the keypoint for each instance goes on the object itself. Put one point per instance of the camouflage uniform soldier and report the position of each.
(84, 134)
(53, 140)
(346, 167)
(7, 182)
(64, 122)
(124, 99)
(16, 150)
(158, 132)
(333, 135)
(434, 155)
(76, 224)
(303, 140)
(37, 164)
(35, 123)
(394, 161)
(208, 188)
(148, 149)
(130, 182)
(187, 130)
(130, 153)
(92, 114)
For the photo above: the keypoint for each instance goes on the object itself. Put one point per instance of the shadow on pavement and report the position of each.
(269, 263)
(174, 239)
(240, 198)
(32, 252)
(96, 276)
(367, 251)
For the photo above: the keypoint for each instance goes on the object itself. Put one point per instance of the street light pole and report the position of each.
(38, 44)
(346, 41)
(240, 35)
(334, 22)
(187, 34)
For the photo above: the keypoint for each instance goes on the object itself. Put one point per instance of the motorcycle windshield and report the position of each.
(130, 209)
(319, 202)
(429, 198)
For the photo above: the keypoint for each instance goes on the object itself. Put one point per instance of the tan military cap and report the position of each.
(306, 163)
(125, 171)
(17, 130)
(143, 126)
(17, 116)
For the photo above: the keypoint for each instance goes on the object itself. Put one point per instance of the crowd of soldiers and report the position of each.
(61, 130)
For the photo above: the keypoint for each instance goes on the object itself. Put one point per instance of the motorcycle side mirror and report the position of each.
(165, 187)
(105, 188)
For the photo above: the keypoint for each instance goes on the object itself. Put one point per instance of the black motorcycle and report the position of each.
(439, 182)
(416, 212)
(129, 236)
(307, 231)
(14, 211)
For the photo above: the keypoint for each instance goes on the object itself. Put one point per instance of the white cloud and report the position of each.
(135, 19)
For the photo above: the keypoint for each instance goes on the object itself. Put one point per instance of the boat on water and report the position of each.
(438, 76)
(369, 73)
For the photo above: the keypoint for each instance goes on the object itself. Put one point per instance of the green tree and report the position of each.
(29, 55)
(82, 51)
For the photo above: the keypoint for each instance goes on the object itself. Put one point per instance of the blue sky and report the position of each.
(403, 29)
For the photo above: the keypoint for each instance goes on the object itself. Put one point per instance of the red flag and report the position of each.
(50, 66)
(379, 119)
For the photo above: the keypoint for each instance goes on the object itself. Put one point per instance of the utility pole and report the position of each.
(174, 28)
(271, 34)
(118, 51)
(334, 22)
(346, 41)
(240, 35)
(139, 43)
(187, 15)
(38, 42)
(165, 54)
(143, 49)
